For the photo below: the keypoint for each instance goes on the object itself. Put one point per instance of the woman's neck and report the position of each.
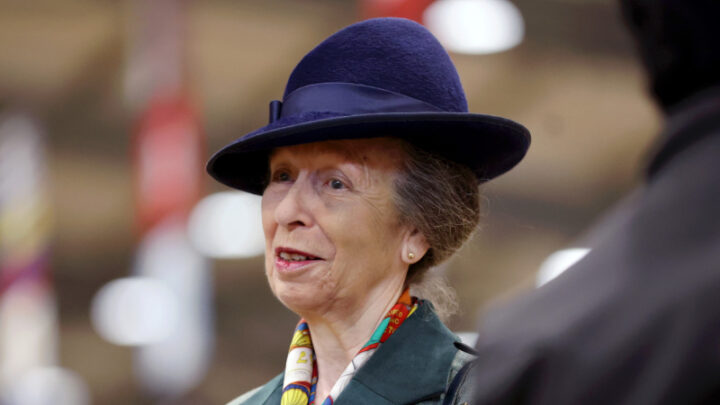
(339, 335)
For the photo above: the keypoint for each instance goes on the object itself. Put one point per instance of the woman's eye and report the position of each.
(281, 176)
(336, 184)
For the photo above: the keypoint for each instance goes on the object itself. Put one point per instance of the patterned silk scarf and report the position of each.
(301, 370)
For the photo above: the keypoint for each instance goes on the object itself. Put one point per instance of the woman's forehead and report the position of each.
(383, 151)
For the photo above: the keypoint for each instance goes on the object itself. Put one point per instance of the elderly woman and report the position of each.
(369, 173)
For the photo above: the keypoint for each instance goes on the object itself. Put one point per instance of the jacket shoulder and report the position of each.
(260, 394)
(461, 358)
(458, 391)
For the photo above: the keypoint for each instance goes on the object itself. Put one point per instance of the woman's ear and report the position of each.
(414, 246)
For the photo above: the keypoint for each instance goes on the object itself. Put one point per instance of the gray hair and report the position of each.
(441, 199)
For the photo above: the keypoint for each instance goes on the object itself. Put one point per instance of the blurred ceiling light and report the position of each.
(22, 156)
(48, 385)
(227, 225)
(475, 26)
(28, 329)
(170, 367)
(558, 262)
(135, 311)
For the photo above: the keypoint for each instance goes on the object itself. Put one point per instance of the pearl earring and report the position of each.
(411, 255)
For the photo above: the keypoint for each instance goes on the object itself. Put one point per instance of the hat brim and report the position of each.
(487, 144)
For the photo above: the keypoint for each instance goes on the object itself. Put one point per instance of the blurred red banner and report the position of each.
(411, 9)
(168, 149)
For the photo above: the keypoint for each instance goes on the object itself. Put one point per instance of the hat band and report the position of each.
(345, 98)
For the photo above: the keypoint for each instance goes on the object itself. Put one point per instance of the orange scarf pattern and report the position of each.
(301, 368)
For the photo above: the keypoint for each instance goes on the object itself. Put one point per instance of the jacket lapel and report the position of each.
(409, 367)
(268, 394)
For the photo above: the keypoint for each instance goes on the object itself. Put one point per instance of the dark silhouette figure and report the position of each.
(637, 321)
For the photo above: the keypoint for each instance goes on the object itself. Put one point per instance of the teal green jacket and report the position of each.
(414, 366)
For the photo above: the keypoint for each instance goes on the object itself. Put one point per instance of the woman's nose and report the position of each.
(293, 209)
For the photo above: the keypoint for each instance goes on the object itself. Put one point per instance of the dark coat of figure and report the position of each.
(638, 320)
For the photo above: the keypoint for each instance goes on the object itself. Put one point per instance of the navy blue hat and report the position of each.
(376, 78)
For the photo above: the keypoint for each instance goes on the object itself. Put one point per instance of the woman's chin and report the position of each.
(298, 294)
(302, 302)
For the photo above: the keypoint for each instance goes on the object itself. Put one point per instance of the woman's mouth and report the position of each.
(287, 259)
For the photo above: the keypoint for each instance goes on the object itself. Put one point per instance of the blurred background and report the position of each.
(128, 277)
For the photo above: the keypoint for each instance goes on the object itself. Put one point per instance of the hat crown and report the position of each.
(394, 54)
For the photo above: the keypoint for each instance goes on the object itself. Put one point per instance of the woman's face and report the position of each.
(332, 234)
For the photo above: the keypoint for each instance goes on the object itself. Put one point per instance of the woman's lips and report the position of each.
(288, 265)
(292, 265)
